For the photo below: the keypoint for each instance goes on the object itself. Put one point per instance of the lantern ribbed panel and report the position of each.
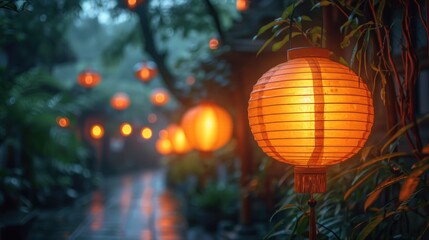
(207, 126)
(310, 111)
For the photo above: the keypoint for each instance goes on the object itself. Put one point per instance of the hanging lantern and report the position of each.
(310, 112)
(145, 70)
(207, 126)
(88, 79)
(159, 97)
(146, 133)
(242, 5)
(126, 129)
(63, 122)
(179, 143)
(120, 101)
(133, 3)
(96, 131)
(213, 43)
(152, 118)
(163, 146)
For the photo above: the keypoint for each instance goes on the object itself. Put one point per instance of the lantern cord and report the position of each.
(322, 27)
(290, 26)
(313, 228)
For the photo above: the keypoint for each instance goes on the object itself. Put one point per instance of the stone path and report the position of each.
(129, 207)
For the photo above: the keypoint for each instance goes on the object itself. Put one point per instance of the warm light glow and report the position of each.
(88, 79)
(159, 97)
(63, 122)
(132, 3)
(213, 43)
(152, 118)
(163, 133)
(145, 71)
(120, 101)
(163, 146)
(242, 5)
(178, 140)
(207, 126)
(310, 112)
(126, 129)
(146, 133)
(190, 80)
(97, 131)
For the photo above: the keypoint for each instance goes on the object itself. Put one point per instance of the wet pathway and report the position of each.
(129, 207)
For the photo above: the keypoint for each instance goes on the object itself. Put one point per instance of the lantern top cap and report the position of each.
(307, 52)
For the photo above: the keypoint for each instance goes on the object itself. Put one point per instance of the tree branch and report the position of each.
(158, 57)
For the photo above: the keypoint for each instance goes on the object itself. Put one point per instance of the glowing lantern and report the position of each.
(190, 80)
(163, 146)
(126, 129)
(88, 79)
(146, 133)
(63, 122)
(133, 3)
(96, 131)
(242, 5)
(152, 118)
(179, 143)
(120, 101)
(213, 43)
(207, 126)
(159, 97)
(145, 71)
(310, 112)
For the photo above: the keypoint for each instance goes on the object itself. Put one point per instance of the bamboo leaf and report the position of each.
(402, 130)
(322, 3)
(372, 196)
(283, 208)
(270, 25)
(369, 228)
(408, 188)
(383, 157)
(358, 183)
(276, 46)
(265, 44)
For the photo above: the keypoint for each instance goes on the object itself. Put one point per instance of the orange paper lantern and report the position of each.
(120, 101)
(146, 133)
(126, 129)
(310, 112)
(207, 126)
(145, 71)
(179, 143)
(63, 122)
(159, 97)
(163, 146)
(242, 5)
(133, 3)
(88, 79)
(96, 131)
(213, 43)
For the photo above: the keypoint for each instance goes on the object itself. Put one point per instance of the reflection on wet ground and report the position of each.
(128, 207)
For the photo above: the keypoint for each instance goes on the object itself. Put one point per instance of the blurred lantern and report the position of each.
(146, 133)
(126, 129)
(133, 3)
(207, 126)
(163, 146)
(96, 131)
(145, 70)
(310, 112)
(159, 97)
(120, 101)
(179, 143)
(190, 80)
(63, 122)
(163, 133)
(242, 5)
(88, 79)
(152, 118)
(213, 43)
(425, 150)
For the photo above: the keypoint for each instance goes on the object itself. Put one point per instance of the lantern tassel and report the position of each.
(310, 179)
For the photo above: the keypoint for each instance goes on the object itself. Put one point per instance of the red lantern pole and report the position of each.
(313, 228)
